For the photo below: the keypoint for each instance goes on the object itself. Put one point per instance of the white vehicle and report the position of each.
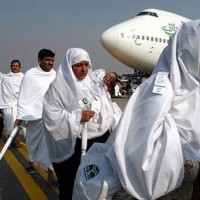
(138, 42)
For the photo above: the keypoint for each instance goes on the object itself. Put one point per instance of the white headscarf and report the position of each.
(62, 109)
(74, 56)
(159, 130)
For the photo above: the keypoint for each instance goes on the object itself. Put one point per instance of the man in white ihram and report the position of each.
(9, 92)
(30, 105)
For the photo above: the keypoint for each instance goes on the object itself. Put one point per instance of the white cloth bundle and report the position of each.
(160, 126)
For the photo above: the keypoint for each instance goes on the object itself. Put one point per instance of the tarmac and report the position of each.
(121, 101)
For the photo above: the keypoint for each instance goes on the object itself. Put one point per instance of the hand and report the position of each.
(87, 115)
(110, 78)
(18, 122)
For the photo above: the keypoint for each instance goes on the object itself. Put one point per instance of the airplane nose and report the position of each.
(109, 39)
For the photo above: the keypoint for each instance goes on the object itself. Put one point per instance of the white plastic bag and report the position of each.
(96, 179)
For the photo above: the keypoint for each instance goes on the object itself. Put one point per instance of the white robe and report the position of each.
(36, 144)
(63, 108)
(9, 92)
(30, 104)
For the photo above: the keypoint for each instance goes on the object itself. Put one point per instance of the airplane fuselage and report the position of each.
(139, 42)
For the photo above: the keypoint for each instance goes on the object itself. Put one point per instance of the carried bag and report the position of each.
(96, 179)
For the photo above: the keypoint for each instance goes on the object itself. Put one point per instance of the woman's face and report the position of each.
(81, 69)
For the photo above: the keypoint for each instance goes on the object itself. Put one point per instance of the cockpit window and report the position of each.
(147, 13)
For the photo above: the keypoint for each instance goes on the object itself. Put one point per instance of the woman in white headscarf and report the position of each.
(157, 143)
(67, 107)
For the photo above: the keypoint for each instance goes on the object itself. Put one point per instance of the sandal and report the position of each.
(54, 183)
(16, 145)
(30, 170)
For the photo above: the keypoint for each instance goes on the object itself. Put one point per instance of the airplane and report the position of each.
(138, 42)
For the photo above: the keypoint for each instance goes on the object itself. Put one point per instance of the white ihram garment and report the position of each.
(30, 104)
(9, 92)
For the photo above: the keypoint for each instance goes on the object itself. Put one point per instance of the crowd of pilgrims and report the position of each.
(151, 150)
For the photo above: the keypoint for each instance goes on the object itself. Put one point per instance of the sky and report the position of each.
(30, 25)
